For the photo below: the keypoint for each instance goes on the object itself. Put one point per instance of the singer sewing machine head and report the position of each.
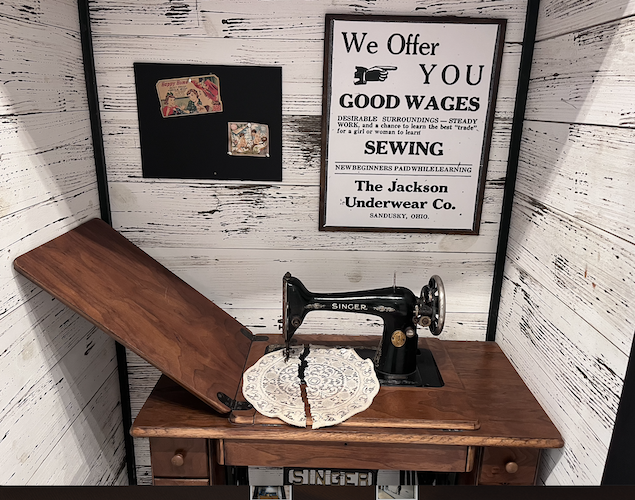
(397, 357)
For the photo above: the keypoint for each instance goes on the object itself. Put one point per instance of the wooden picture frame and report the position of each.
(407, 119)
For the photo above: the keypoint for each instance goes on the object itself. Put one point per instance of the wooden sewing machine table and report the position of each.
(483, 422)
(189, 441)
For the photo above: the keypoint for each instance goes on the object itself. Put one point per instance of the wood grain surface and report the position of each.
(345, 455)
(495, 466)
(397, 407)
(127, 294)
(182, 458)
(508, 413)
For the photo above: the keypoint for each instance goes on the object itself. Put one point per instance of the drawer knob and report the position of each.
(511, 467)
(178, 459)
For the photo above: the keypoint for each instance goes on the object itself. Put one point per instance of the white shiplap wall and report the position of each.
(233, 241)
(566, 318)
(60, 415)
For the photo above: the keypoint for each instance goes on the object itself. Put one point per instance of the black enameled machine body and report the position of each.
(397, 358)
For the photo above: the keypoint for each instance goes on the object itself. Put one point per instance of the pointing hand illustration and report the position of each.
(374, 74)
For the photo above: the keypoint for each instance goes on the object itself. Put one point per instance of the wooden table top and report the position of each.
(508, 413)
(126, 293)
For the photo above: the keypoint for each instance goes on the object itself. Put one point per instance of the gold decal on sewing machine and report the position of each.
(398, 338)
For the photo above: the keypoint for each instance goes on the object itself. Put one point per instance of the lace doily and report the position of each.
(272, 386)
(339, 384)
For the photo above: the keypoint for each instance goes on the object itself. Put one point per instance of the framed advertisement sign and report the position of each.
(407, 122)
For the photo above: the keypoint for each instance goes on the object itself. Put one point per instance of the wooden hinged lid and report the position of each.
(126, 293)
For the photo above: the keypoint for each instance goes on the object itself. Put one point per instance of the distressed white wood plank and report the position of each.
(579, 359)
(549, 459)
(60, 395)
(585, 76)
(301, 149)
(92, 450)
(215, 273)
(145, 17)
(572, 369)
(59, 409)
(43, 156)
(508, 82)
(56, 215)
(564, 316)
(584, 171)
(301, 62)
(266, 216)
(144, 475)
(282, 18)
(32, 227)
(557, 17)
(122, 480)
(142, 378)
(34, 337)
(589, 270)
(142, 455)
(41, 69)
(59, 13)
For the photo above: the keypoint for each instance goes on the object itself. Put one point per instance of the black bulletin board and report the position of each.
(196, 146)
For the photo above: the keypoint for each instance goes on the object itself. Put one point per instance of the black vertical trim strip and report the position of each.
(93, 108)
(529, 38)
(104, 205)
(620, 461)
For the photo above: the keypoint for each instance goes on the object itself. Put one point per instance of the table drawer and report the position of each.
(514, 466)
(179, 458)
(346, 455)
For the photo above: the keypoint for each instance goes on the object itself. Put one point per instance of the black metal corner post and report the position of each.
(620, 461)
(104, 204)
(529, 39)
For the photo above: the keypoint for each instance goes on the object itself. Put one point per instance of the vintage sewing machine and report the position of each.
(482, 423)
(398, 359)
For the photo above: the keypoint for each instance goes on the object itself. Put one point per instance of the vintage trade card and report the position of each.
(189, 95)
(248, 139)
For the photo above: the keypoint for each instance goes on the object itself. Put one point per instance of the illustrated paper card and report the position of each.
(248, 139)
(189, 95)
